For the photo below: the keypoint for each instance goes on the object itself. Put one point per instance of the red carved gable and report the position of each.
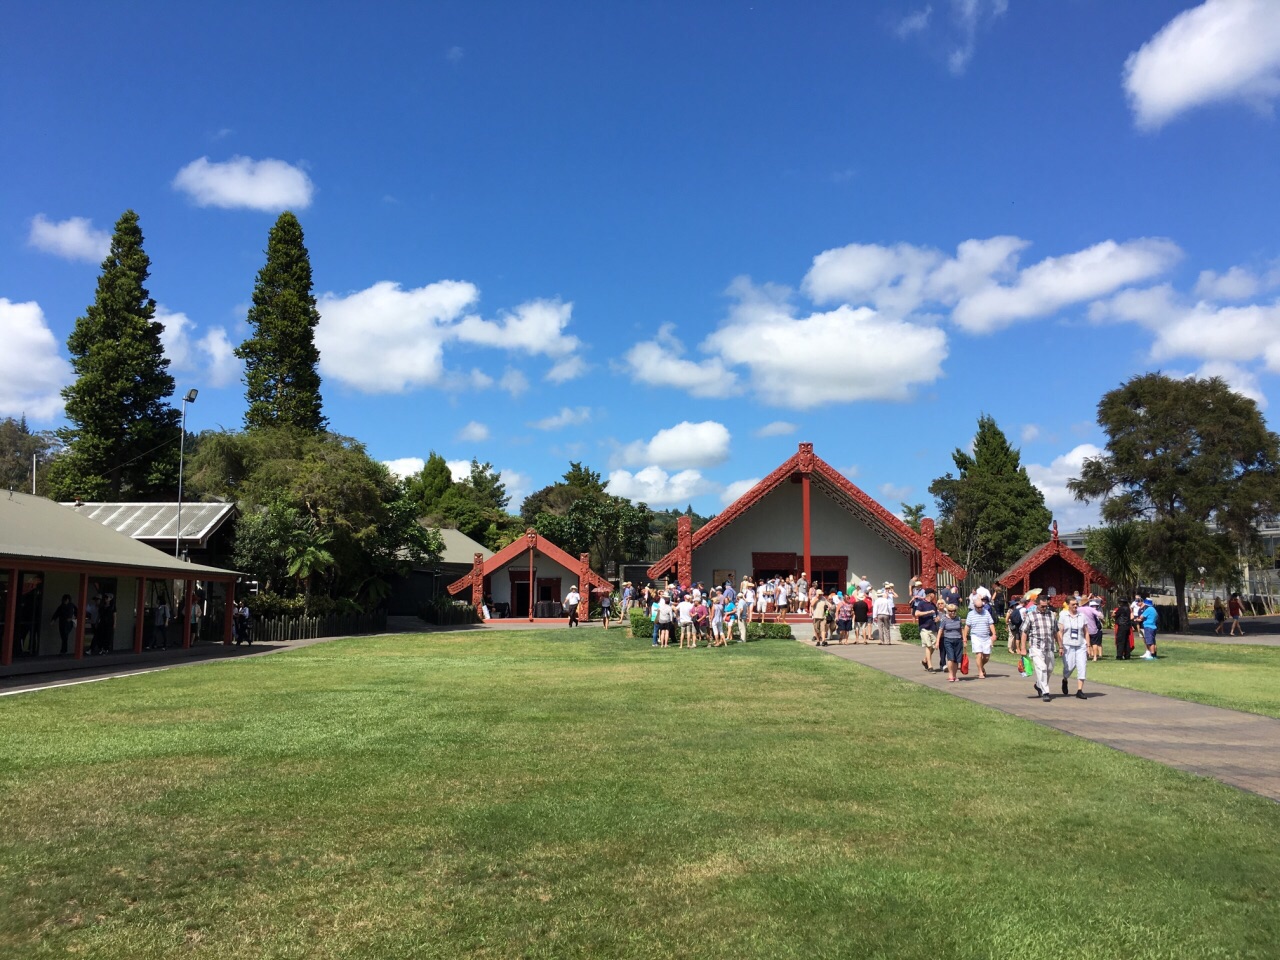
(544, 546)
(1029, 564)
(805, 461)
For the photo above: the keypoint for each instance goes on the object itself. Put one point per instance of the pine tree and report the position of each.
(123, 438)
(991, 514)
(282, 383)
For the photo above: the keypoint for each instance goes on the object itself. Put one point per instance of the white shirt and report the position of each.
(572, 598)
(686, 611)
(1075, 633)
(882, 607)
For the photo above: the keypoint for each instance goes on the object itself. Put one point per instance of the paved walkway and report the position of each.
(1241, 749)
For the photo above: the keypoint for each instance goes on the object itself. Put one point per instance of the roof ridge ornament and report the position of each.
(806, 458)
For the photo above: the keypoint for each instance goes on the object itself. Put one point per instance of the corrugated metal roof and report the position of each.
(157, 522)
(33, 528)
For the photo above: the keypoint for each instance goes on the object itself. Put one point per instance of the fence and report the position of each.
(285, 629)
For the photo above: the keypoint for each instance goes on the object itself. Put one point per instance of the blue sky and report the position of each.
(667, 239)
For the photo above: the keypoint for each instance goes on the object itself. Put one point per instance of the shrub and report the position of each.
(909, 632)
(266, 604)
(641, 625)
(769, 631)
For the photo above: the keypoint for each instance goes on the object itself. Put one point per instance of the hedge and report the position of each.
(910, 632)
(642, 626)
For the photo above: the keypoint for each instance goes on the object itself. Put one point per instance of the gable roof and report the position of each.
(1034, 558)
(158, 522)
(831, 482)
(518, 547)
(36, 529)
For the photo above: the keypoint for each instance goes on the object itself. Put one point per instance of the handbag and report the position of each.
(964, 664)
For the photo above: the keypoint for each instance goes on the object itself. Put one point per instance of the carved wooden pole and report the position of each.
(477, 583)
(928, 554)
(684, 547)
(584, 586)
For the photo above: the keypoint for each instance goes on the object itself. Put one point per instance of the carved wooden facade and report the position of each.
(807, 468)
(531, 543)
(1056, 565)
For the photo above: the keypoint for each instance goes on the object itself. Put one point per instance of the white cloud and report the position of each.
(1239, 379)
(73, 238)
(902, 279)
(513, 381)
(1056, 282)
(1030, 432)
(37, 372)
(1237, 283)
(474, 432)
(570, 368)
(243, 182)
(804, 362)
(968, 15)
(686, 444)
(890, 491)
(779, 428)
(567, 417)
(460, 470)
(211, 357)
(1052, 480)
(1219, 51)
(736, 489)
(519, 485)
(913, 22)
(386, 340)
(405, 466)
(852, 471)
(660, 363)
(1201, 330)
(656, 487)
(455, 54)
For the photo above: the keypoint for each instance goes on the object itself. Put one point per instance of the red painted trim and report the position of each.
(532, 540)
(82, 602)
(10, 619)
(532, 594)
(804, 511)
(806, 463)
(1054, 548)
(139, 621)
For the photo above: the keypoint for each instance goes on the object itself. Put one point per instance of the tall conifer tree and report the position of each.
(123, 438)
(991, 514)
(280, 357)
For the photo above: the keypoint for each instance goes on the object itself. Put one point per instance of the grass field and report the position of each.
(1235, 676)
(557, 794)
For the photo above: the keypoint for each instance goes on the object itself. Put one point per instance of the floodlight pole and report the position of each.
(182, 449)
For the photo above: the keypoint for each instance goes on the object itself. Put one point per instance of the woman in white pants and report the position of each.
(1073, 645)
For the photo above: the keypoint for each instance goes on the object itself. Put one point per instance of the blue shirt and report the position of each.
(1149, 616)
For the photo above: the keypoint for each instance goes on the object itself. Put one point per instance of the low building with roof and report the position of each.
(1055, 568)
(806, 517)
(528, 578)
(425, 582)
(48, 550)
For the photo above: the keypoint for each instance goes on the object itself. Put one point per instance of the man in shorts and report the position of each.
(980, 631)
(819, 615)
(926, 613)
(1073, 645)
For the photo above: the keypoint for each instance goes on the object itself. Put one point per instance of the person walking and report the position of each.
(1219, 615)
(571, 601)
(925, 610)
(980, 631)
(160, 626)
(952, 634)
(606, 608)
(1039, 639)
(684, 614)
(1150, 623)
(66, 616)
(818, 612)
(1074, 645)
(882, 610)
(1234, 609)
(1124, 630)
(1091, 610)
(663, 618)
(844, 618)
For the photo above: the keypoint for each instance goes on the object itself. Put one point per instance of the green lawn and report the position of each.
(1222, 675)
(557, 794)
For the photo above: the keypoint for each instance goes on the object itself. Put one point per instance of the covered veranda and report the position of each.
(48, 551)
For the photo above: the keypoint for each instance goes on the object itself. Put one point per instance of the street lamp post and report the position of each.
(182, 444)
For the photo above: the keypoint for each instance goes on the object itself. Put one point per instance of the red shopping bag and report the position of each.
(964, 664)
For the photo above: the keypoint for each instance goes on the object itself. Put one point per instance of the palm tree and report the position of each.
(307, 556)
(1116, 550)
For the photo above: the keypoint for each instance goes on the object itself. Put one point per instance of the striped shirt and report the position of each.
(1040, 627)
